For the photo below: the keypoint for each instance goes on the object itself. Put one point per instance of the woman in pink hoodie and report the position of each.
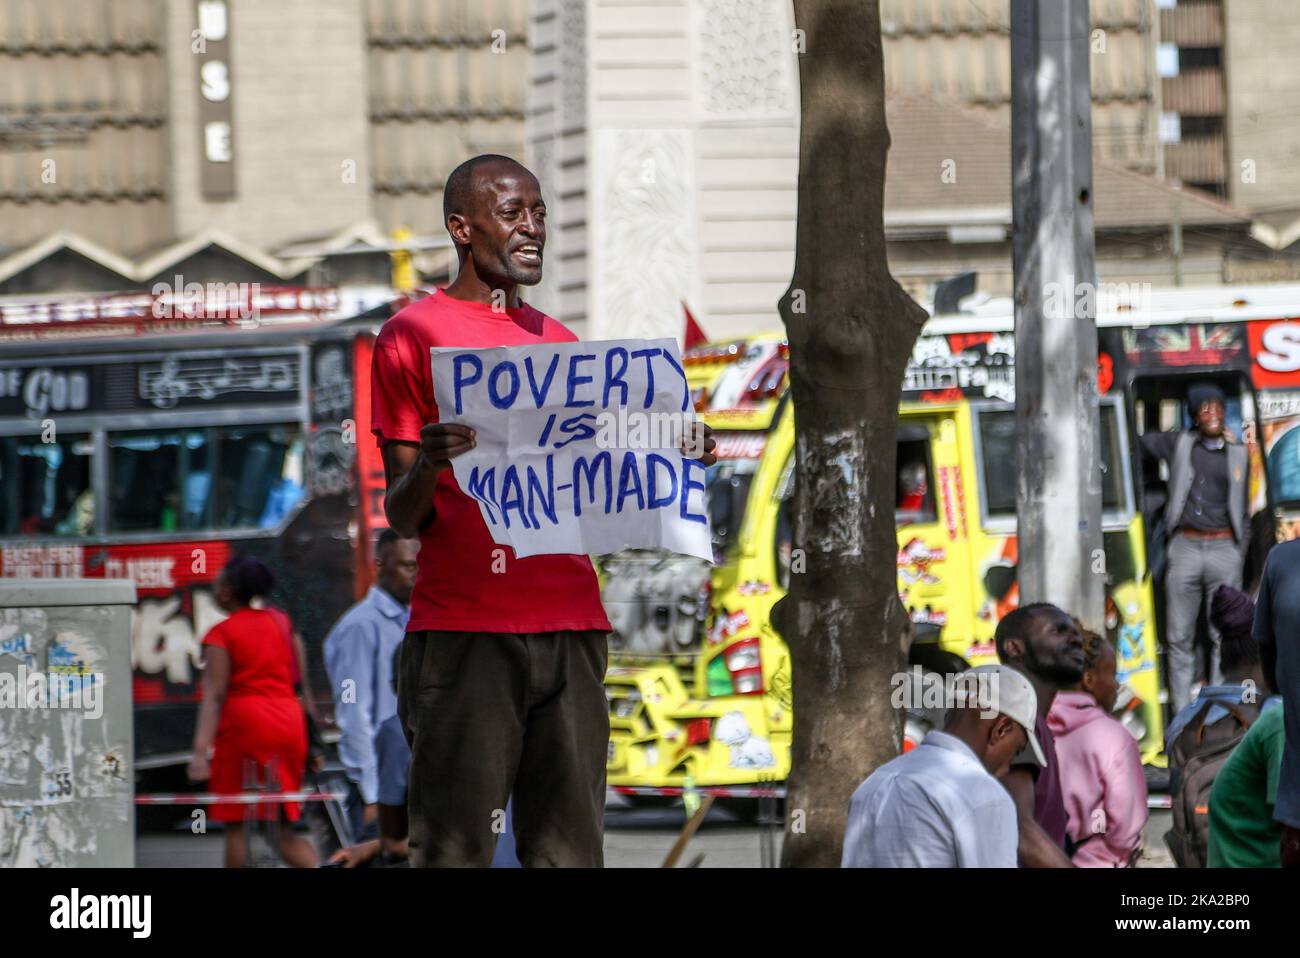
(1101, 767)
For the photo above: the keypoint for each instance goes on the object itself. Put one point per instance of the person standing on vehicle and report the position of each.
(359, 658)
(1208, 517)
(1046, 645)
(501, 686)
(940, 805)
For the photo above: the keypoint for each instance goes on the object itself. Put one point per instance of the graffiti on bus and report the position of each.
(174, 610)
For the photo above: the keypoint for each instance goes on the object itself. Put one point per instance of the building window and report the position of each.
(1193, 57)
(1167, 60)
(1171, 129)
(1201, 125)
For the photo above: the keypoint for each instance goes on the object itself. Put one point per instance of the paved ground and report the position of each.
(638, 838)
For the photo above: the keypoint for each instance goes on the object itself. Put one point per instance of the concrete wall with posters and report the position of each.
(66, 768)
(668, 131)
(295, 84)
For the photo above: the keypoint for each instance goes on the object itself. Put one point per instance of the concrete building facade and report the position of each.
(137, 124)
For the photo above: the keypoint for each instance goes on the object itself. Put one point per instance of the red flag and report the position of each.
(694, 335)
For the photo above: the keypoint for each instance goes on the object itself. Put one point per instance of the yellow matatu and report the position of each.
(699, 683)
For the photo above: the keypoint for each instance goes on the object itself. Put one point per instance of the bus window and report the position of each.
(727, 490)
(46, 486)
(159, 481)
(261, 476)
(218, 478)
(997, 449)
(997, 435)
(915, 490)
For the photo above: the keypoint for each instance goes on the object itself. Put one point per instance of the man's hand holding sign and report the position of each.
(576, 447)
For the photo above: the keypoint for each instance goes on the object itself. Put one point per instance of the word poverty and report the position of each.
(580, 446)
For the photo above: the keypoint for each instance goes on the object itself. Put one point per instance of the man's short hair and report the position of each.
(386, 539)
(1015, 625)
(459, 191)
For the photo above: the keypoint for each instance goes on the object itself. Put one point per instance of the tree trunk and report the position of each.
(851, 330)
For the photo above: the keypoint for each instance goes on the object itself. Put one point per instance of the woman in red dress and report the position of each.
(250, 717)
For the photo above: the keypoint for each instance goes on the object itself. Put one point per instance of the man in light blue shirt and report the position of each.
(941, 805)
(359, 657)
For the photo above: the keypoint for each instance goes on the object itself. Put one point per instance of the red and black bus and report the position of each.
(154, 444)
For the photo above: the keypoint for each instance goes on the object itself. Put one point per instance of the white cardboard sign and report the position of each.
(579, 445)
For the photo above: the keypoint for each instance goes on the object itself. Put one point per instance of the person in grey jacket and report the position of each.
(1207, 515)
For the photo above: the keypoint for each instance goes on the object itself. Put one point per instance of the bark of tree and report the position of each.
(851, 330)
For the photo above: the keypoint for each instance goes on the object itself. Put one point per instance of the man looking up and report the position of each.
(501, 675)
(1045, 644)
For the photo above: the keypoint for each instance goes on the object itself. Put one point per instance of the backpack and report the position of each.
(1195, 758)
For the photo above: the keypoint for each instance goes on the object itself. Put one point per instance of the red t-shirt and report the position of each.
(456, 589)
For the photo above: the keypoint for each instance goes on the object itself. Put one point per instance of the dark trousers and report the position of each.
(1197, 567)
(497, 716)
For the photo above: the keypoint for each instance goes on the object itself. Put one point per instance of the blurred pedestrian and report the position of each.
(1232, 613)
(250, 717)
(1102, 784)
(1277, 630)
(941, 805)
(359, 654)
(392, 844)
(1045, 644)
(1244, 799)
(1208, 730)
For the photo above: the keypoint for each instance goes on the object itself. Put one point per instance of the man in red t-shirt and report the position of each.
(502, 670)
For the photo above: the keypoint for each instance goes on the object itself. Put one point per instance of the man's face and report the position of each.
(1007, 739)
(1209, 418)
(397, 568)
(1054, 650)
(504, 225)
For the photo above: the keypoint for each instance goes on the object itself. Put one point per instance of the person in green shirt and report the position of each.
(1243, 833)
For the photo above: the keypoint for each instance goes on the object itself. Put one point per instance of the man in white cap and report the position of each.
(941, 804)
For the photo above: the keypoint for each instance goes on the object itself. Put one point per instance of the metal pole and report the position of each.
(1176, 240)
(1054, 258)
